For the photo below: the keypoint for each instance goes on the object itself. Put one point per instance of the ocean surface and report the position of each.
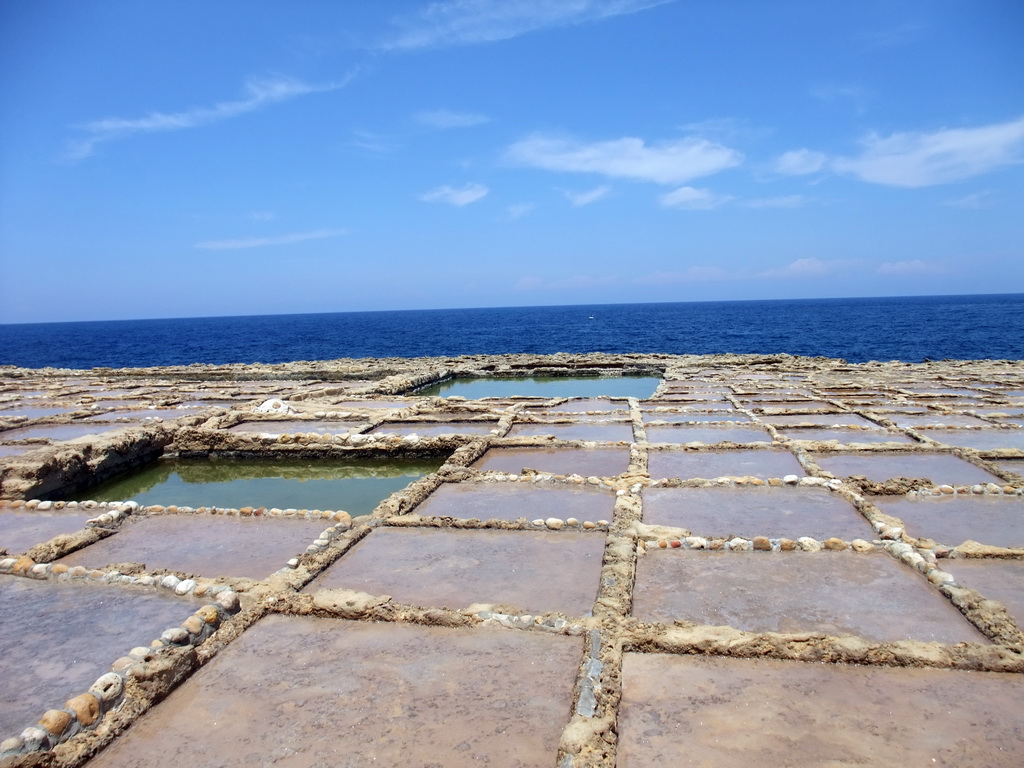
(911, 329)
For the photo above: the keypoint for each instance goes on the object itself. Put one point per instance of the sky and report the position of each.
(241, 157)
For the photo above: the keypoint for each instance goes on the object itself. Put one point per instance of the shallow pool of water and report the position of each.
(434, 428)
(296, 427)
(354, 485)
(708, 435)
(59, 432)
(545, 386)
(939, 468)
(607, 431)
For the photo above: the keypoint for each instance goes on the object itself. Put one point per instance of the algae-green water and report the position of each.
(545, 386)
(356, 485)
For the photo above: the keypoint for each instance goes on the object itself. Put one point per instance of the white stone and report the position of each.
(554, 523)
(791, 479)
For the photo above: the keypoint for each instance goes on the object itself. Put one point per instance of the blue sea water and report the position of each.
(894, 328)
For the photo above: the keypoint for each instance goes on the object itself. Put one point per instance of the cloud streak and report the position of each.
(693, 199)
(444, 118)
(670, 162)
(259, 242)
(467, 194)
(259, 93)
(579, 199)
(471, 22)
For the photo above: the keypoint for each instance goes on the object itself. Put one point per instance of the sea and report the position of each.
(910, 329)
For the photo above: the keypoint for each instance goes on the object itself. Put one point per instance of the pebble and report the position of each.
(807, 544)
(860, 545)
(35, 738)
(791, 479)
(56, 722)
(170, 581)
(86, 708)
(738, 544)
(833, 544)
(108, 688)
(184, 587)
(554, 523)
(228, 600)
(762, 544)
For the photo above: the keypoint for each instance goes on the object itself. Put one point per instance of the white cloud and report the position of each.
(689, 275)
(573, 282)
(443, 118)
(673, 162)
(691, 198)
(973, 201)
(941, 157)
(259, 242)
(259, 94)
(372, 142)
(800, 162)
(808, 267)
(470, 22)
(470, 193)
(785, 201)
(262, 215)
(579, 199)
(912, 267)
(517, 210)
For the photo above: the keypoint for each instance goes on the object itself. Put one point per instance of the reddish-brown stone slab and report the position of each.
(512, 501)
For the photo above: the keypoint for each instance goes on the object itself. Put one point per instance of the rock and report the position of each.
(787, 545)
(762, 544)
(56, 722)
(108, 689)
(175, 636)
(11, 746)
(86, 708)
(170, 581)
(860, 545)
(833, 544)
(791, 479)
(572, 522)
(193, 625)
(209, 614)
(35, 738)
(696, 542)
(807, 544)
(739, 544)
(184, 587)
(228, 600)
(554, 523)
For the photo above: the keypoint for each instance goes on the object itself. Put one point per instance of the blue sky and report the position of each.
(241, 157)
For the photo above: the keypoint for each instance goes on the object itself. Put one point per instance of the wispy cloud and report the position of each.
(693, 199)
(940, 157)
(671, 162)
(809, 267)
(259, 242)
(471, 22)
(259, 93)
(911, 267)
(443, 118)
(800, 162)
(572, 282)
(372, 142)
(973, 201)
(694, 274)
(262, 215)
(837, 93)
(518, 210)
(469, 193)
(579, 199)
(784, 201)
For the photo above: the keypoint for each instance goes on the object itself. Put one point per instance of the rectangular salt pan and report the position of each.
(203, 544)
(600, 462)
(734, 713)
(939, 468)
(708, 435)
(603, 432)
(514, 501)
(710, 464)
(952, 520)
(22, 530)
(756, 511)
(344, 693)
(522, 571)
(541, 386)
(838, 593)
